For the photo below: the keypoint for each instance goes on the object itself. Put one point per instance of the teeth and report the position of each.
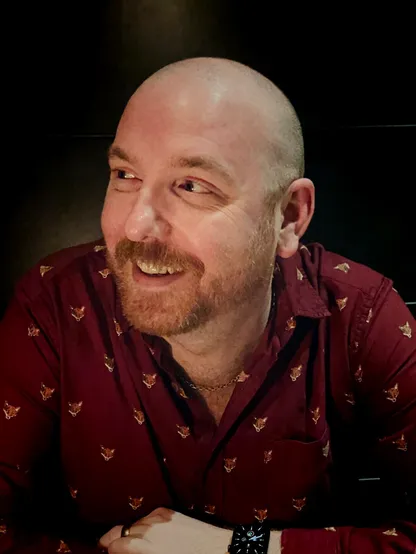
(154, 270)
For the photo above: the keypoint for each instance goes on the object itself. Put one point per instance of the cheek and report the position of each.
(221, 242)
(113, 219)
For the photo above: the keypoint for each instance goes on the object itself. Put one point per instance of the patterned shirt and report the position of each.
(318, 438)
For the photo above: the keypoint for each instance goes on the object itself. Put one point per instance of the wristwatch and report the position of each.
(250, 539)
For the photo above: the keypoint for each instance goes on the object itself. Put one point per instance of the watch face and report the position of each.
(250, 539)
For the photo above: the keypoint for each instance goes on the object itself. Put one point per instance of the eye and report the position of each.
(190, 185)
(122, 174)
(124, 181)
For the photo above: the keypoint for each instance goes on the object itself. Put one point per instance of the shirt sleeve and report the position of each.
(387, 393)
(29, 420)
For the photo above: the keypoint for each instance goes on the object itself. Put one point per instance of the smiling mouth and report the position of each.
(144, 278)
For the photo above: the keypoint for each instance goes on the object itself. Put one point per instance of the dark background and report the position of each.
(69, 68)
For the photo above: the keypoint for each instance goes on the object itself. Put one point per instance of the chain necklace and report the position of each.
(214, 388)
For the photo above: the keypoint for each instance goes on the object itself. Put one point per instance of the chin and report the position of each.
(164, 313)
(162, 321)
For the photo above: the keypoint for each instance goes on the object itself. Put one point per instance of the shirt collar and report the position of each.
(297, 278)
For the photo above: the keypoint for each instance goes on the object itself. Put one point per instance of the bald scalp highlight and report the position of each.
(283, 160)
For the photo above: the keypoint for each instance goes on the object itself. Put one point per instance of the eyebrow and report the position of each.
(205, 163)
(115, 151)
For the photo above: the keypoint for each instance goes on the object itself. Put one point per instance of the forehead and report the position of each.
(189, 126)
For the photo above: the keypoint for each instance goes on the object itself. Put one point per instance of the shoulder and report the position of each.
(342, 277)
(73, 263)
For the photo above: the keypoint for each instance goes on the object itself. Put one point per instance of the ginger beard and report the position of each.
(196, 297)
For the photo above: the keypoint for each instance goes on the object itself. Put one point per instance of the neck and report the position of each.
(217, 351)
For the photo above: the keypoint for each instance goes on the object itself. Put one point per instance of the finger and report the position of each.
(110, 536)
(130, 545)
(161, 515)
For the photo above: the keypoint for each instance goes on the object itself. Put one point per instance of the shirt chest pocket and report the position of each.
(289, 479)
(298, 476)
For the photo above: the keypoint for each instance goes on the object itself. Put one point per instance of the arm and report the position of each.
(388, 364)
(164, 531)
(29, 424)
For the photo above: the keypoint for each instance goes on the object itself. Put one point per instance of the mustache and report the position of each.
(153, 253)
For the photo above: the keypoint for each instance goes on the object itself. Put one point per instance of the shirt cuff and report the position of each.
(313, 541)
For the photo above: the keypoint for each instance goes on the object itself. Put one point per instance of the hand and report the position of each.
(164, 531)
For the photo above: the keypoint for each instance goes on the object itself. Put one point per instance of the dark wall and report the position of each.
(71, 68)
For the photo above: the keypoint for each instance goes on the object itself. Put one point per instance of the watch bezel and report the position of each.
(255, 527)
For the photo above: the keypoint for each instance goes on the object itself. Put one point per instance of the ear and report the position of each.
(297, 209)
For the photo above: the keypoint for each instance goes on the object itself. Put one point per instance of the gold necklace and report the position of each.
(209, 388)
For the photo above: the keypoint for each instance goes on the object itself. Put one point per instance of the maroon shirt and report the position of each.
(95, 431)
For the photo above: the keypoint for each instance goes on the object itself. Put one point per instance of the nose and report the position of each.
(144, 221)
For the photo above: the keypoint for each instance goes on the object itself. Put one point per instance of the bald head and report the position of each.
(202, 153)
(216, 87)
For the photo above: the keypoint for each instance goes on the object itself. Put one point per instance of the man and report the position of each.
(204, 381)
